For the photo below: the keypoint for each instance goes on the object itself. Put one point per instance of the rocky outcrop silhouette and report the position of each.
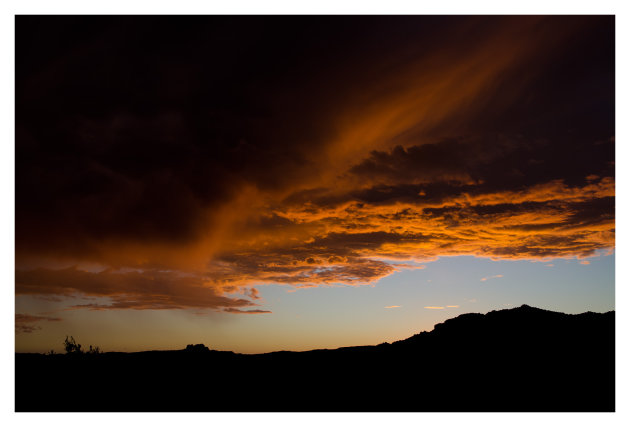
(521, 359)
(197, 348)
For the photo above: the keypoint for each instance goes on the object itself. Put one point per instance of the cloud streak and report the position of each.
(238, 311)
(28, 323)
(496, 276)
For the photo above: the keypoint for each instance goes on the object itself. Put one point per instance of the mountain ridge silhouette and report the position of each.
(519, 359)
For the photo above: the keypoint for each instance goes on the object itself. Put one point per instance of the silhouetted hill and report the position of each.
(521, 359)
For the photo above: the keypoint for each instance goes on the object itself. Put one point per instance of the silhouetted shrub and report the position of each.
(71, 346)
(94, 350)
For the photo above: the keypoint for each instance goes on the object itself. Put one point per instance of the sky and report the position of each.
(287, 183)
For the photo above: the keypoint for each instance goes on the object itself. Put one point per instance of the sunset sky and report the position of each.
(288, 183)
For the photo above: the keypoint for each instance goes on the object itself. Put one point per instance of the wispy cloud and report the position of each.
(238, 311)
(497, 276)
(452, 306)
(27, 323)
(434, 308)
(392, 306)
(585, 262)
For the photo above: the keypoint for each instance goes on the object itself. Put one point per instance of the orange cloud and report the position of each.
(492, 277)
(149, 289)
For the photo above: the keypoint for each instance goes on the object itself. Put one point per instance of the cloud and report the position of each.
(153, 290)
(452, 306)
(238, 311)
(497, 276)
(392, 306)
(434, 308)
(585, 262)
(252, 293)
(27, 323)
(547, 220)
(443, 136)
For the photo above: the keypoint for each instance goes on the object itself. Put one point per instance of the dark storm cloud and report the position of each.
(134, 128)
(130, 129)
(210, 153)
(478, 165)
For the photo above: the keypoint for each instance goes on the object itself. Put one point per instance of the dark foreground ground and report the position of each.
(523, 359)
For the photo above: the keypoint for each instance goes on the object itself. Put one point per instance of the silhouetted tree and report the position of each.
(71, 346)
